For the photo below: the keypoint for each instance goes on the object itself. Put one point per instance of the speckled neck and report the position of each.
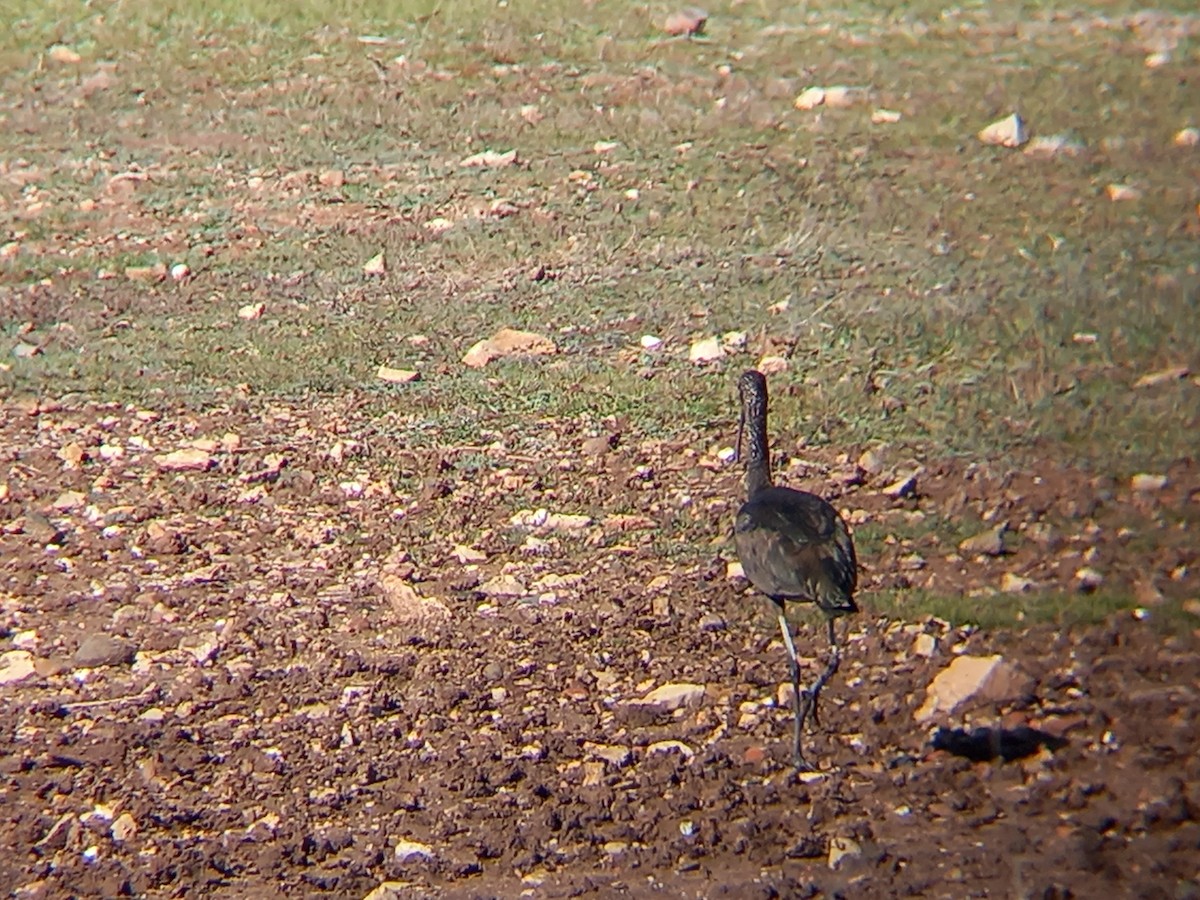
(753, 390)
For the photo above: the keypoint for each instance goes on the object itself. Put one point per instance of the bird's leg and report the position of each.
(800, 704)
(835, 659)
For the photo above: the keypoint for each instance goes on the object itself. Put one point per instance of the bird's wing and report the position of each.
(794, 544)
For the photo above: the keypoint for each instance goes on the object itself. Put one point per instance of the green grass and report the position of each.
(934, 285)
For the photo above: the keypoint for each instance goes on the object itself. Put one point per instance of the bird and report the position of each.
(793, 547)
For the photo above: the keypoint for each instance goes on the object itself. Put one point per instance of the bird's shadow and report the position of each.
(986, 744)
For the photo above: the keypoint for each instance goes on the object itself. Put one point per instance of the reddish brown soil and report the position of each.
(294, 711)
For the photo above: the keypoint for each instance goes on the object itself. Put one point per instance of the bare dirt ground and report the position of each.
(339, 664)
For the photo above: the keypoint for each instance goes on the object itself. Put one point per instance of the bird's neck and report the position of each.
(758, 460)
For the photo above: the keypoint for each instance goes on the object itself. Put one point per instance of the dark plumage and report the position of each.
(792, 545)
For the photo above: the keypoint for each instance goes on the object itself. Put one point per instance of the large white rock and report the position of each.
(979, 679)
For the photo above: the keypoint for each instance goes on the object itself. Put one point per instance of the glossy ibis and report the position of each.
(793, 546)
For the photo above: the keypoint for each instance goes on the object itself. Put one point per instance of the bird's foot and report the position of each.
(800, 764)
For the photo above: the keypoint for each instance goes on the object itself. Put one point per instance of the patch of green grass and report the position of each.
(934, 286)
(1002, 610)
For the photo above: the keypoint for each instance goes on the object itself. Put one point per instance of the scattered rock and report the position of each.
(810, 98)
(689, 21)
(123, 828)
(544, 520)
(925, 645)
(673, 696)
(390, 890)
(978, 679)
(712, 622)
(885, 117)
(331, 178)
(63, 55)
(1148, 483)
(870, 462)
(490, 159)
(508, 342)
(466, 555)
(1007, 132)
(503, 586)
(671, 747)
(409, 607)
(397, 376)
(1187, 137)
(1122, 192)
(375, 266)
(252, 311)
(1175, 373)
(733, 569)
(408, 851)
(103, 650)
(187, 460)
(842, 849)
(1047, 146)
(15, 666)
(902, 487)
(1088, 579)
(989, 543)
(613, 754)
(772, 365)
(650, 343)
(1012, 583)
(705, 350)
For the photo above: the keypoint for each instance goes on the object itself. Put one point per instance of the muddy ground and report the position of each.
(339, 663)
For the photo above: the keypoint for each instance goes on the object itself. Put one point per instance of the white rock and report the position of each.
(1119, 193)
(671, 747)
(670, 697)
(467, 555)
(1088, 578)
(972, 678)
(407, 851)
(885, 117)
(1148, 483)
(376, 265)
(508, 342)
(810, 98)
(123, 828)
(733, 569)
(1053, 145)
(187, 460)
(842, 849)
(180, 271)
(390, 890)
(650, 342)
(397, 376)
(613, 754)
(503, 586)
(1187, 137)
(925, 645)
(706, 350)
(988, 543)
(772, 365)
(902, 487)
(1007, 132)
(727, 455)
(733, 340)
(1012, 583)
(15, 666)
(490, 159)
(841, 96)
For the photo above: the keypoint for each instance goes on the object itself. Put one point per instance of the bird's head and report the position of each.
(752, 390)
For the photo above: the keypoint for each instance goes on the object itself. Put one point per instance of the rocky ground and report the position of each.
(262, 652)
